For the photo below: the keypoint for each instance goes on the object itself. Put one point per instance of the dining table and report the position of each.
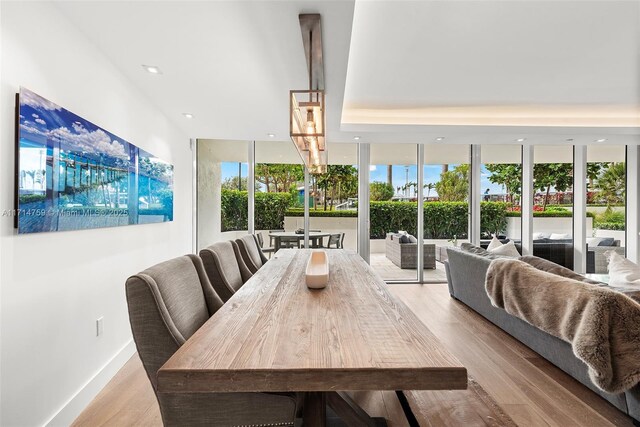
(314, 236)
(277, 335)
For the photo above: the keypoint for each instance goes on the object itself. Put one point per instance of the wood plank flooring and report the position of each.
(527, 388)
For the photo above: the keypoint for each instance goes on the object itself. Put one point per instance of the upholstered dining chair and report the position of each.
(265, 250)
(225, 268)
(251, 253)
(167, 304)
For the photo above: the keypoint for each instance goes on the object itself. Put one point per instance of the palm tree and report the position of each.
(430, 186)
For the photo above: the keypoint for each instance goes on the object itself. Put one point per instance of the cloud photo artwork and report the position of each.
(73, 174)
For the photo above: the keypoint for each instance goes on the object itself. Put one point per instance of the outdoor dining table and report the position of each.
(314, 236)
(277, 335)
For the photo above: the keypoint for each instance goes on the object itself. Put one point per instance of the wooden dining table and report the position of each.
(276, 335)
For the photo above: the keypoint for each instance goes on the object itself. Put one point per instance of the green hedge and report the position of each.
(618, 226)
(389, 217)
(322, 213)
(270, 209)
(549, 214)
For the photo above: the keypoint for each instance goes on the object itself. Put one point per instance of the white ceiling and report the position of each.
(393, 65)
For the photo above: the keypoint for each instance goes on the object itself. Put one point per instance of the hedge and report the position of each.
(617, 226)
(549, 214)
(269, 210)
(322, 213)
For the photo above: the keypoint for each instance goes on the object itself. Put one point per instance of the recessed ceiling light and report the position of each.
(601, 140)
(520, 139)
(152, 69)
(357, 138)
(569, 139)
(188, 115)
(271, 135)
(440, 138)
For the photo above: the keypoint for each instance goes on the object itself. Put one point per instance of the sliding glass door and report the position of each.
(393, 216)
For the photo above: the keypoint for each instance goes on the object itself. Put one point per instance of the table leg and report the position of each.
(350, 412)
(315, 409)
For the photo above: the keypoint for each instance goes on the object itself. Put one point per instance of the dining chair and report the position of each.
(342, 241)
(167, 303)
(272, 239)
(225, 270)
(265, 250)
(250, 253)
(334, 239)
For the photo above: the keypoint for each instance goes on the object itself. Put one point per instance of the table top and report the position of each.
(275, 334)
(294, 234)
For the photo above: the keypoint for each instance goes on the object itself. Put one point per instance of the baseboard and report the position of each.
(76, 404)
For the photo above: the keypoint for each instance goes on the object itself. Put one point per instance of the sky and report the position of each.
(379, 173)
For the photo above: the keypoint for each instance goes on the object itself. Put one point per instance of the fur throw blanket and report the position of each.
(602, 326)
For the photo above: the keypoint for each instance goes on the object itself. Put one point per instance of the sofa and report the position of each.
(466, 280)
(598, 263)
(404, 255)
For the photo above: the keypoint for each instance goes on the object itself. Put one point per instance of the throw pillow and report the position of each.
(539, 236)
(404, 238)
(402, 232)
(622, 272)
(495, 243)
(607, 241)
(559, 236)
(412, 239)
(508, 249)
(594, 241)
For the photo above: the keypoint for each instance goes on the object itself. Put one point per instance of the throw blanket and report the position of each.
(601, 325)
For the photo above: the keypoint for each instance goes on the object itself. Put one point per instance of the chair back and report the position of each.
(167, 303)
(249, 252)
(334, 239)
(260, 240)
(225, 271)
(342, 241)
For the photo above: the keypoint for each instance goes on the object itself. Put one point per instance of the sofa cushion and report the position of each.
(559, 236)
(404, 239)
(594, 241)
(477, 250)
(607, 241)
(494, 244)
(412, 239)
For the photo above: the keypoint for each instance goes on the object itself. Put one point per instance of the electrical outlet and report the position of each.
(99, 326)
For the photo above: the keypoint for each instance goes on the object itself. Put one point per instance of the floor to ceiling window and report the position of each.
(553, 203)
(446, 174)
(221, 190)
(394, 211)
(501, 193)
(606, 204)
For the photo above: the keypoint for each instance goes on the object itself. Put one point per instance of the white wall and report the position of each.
(53, 286)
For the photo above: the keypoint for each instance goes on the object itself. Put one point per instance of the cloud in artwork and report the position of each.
(39, 120)
(97, 141)
(37, 102)
(35, 116)
(26, 127)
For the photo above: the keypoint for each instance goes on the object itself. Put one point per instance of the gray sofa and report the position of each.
(466, 275)
(404, 255)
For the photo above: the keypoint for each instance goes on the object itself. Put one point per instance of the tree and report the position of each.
(556, 175)
(430, 186)
(380, 191)
(454, 184)
(231, 183)
(278, 177)
(612, 184)
(509, 175)
(340, 181)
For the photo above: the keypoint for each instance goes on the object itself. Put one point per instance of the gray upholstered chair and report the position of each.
(250, 253)
(265, 250)
(225, 268)
(167, 304)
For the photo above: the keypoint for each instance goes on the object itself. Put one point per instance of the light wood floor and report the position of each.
(528, 388)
